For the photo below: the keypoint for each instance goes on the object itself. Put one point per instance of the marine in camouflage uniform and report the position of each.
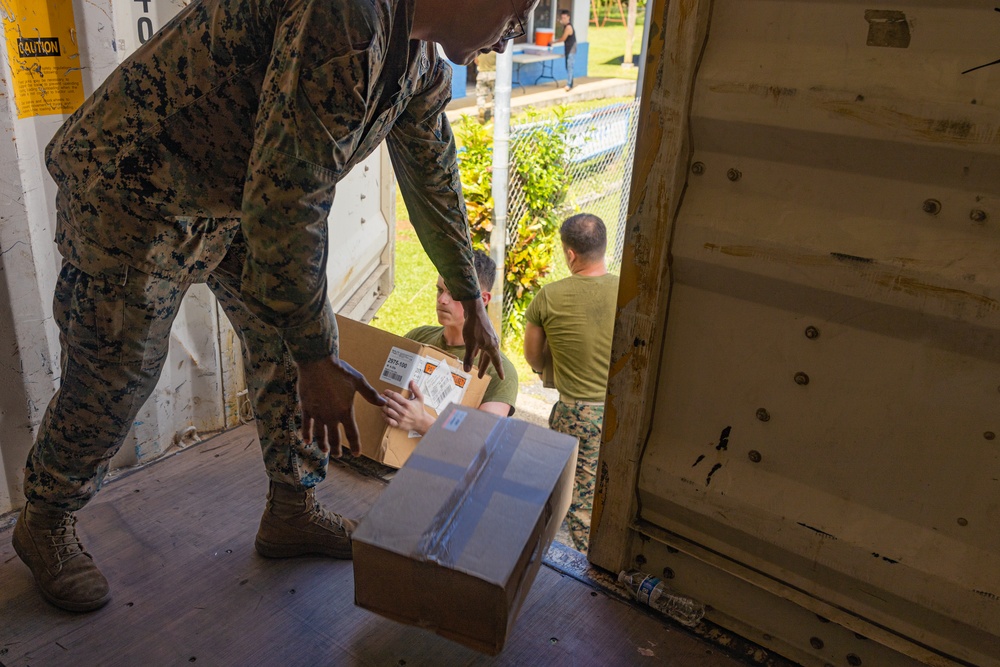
(212, 154)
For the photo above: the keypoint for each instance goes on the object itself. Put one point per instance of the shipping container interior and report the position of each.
(174, 525)
(803, 403)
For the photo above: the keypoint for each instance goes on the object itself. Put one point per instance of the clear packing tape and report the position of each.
(455, 523)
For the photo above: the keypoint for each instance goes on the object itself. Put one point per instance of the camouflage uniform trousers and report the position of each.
(583, 421)
(114, 333)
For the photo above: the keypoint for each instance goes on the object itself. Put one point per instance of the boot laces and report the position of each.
(325, 517)
(65, 542)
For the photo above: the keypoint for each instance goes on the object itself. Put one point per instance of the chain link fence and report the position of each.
(600, 152)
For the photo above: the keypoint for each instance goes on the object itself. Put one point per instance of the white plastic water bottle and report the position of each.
(651, 591)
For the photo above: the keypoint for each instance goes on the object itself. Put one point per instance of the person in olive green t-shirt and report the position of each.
(570, 323)
(501, 394)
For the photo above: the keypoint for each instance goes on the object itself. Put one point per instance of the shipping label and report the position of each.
(455, 420)
(399, 367)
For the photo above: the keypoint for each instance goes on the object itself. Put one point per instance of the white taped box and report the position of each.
(454, 542)
(389, 361)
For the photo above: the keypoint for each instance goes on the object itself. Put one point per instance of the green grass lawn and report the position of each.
(607, 50)
(573, 109)
(412, 301)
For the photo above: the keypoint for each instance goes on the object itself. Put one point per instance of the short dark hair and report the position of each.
(585, 234)
(486, 270)
(563, 12)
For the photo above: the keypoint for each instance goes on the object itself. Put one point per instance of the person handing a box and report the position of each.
(212, 155)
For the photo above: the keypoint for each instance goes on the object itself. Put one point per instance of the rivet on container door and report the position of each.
(763, 414)
(698, 168)
(989, 435)
(932, 206)
(812, 333)
(977, 215)
(754, 456)
(801, 378)
(734, 174)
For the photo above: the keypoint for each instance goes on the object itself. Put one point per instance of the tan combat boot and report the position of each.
(294, 524)
(46, 541)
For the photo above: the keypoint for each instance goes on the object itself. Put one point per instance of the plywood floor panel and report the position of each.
(176, 541)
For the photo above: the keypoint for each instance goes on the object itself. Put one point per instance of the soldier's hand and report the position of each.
(480, 338)
(326, 396)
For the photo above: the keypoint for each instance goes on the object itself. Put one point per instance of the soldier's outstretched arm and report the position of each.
(422, 148)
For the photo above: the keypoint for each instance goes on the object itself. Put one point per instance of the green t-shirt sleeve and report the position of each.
(536, 309)
(505, 390)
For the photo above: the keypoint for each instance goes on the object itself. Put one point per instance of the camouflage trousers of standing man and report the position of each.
(114, 330)
(583, 421)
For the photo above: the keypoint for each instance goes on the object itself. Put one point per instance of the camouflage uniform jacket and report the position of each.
(242, 115)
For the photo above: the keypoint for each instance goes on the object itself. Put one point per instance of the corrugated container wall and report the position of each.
(201, 389)
(804, 402)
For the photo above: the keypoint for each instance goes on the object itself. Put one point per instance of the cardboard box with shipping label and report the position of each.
(454, 542)
(389, 361)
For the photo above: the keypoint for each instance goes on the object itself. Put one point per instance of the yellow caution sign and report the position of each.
(44, 56)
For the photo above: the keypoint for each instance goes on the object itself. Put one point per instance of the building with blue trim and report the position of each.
(545, 16)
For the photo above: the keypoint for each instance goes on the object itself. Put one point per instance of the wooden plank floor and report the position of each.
(176, 541)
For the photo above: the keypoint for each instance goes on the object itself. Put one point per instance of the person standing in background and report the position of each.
(571, 323)
(569, 39)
